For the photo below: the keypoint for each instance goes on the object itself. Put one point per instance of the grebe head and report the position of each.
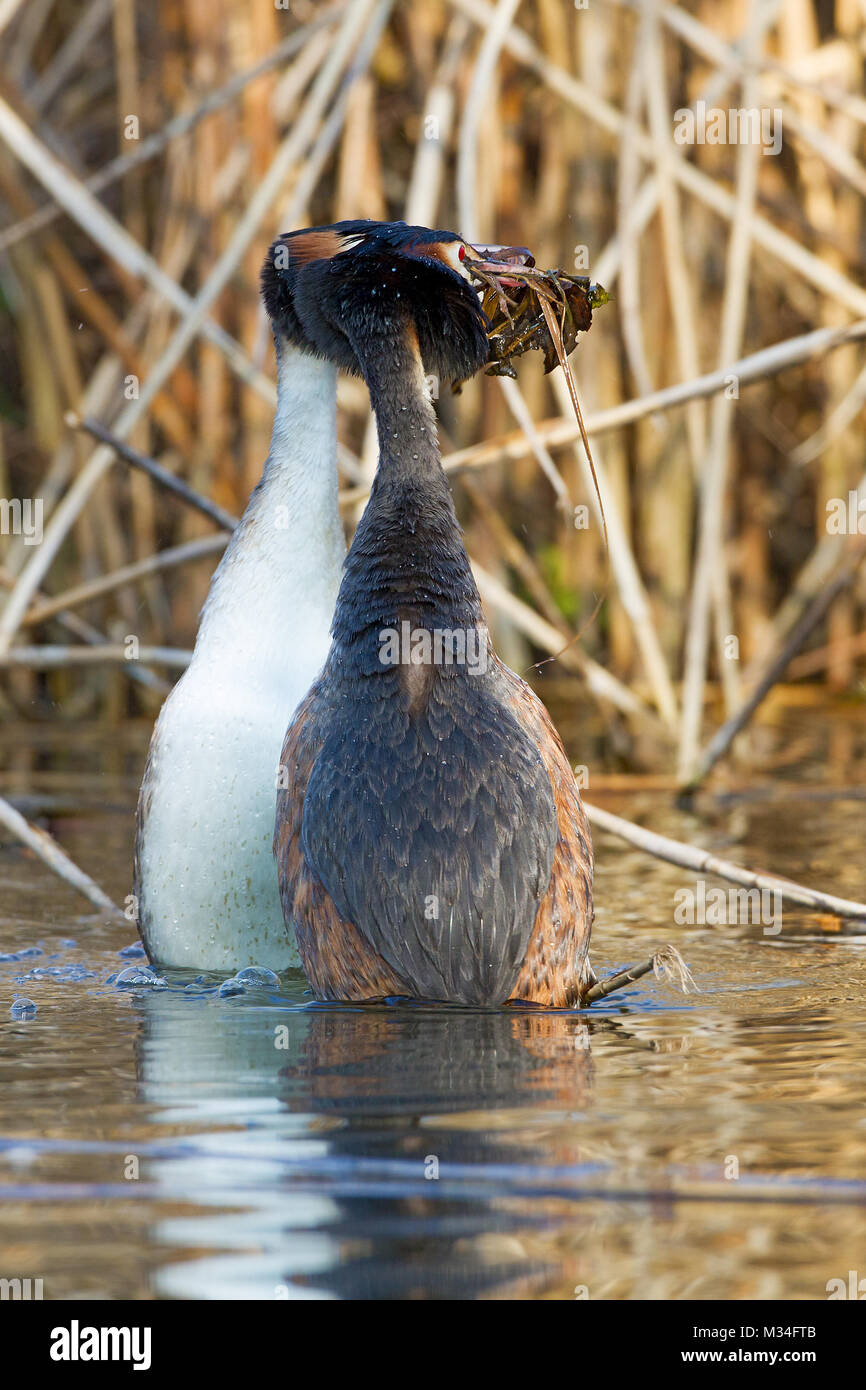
(287, 257)
(326, 288)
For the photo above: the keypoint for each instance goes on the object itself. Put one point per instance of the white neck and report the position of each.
(276, 584)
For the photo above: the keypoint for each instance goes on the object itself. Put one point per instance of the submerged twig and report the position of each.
(690, 857)
(666, 964)
(51, 854)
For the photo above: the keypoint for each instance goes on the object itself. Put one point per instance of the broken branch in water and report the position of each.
(51, 854)
(665, 964)
(690, 857)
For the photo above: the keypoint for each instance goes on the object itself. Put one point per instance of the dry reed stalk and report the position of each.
(710, 569)
(756, 367)
(112, 237)
(774, 74)
(814, 662)
(291, 149)
(599, 682)
(681, 299)
(76, 626)
(50, 657)
(48, 850)
(155, 471)
(630, 587)
(808, 582)
(203, 548)
(8, 10)
(778, 244)
(516, 555)
(701, 861)
(155, 144)
(466, 192)
(466, 183)
(814, 614)
(843, 414)
(535, 164)
(628, 169)
(428, 168)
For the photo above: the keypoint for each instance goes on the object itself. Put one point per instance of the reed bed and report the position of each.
(148, 156)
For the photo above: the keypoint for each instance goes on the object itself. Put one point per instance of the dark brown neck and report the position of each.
(408, 556)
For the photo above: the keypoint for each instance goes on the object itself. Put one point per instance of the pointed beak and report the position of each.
(494, 260)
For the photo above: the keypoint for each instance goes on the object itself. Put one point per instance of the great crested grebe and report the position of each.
(429, 834)
(205, 880)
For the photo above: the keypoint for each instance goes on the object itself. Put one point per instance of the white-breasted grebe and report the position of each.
(205, 880)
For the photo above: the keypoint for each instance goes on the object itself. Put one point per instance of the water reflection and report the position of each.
(658, 1147)
(344, 1099)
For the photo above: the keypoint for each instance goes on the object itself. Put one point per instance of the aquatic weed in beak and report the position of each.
(545, 310)
(518, 300)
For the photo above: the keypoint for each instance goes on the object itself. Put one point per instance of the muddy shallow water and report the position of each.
(174, 1143)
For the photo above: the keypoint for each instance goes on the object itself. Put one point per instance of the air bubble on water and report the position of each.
(23, 1008)
(134, 949)
(258, 977)
(29, 952)
(230, 987)
(137, 975)
(67, 973)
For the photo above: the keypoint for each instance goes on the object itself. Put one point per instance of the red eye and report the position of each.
(461, 254)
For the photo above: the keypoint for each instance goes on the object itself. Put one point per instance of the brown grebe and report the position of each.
(429, 835)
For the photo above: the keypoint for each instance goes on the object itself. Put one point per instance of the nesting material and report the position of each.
(519, 301)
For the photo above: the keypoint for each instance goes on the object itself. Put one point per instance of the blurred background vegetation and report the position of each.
(167, 144)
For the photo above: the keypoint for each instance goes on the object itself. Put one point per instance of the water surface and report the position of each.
(173, 1143)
